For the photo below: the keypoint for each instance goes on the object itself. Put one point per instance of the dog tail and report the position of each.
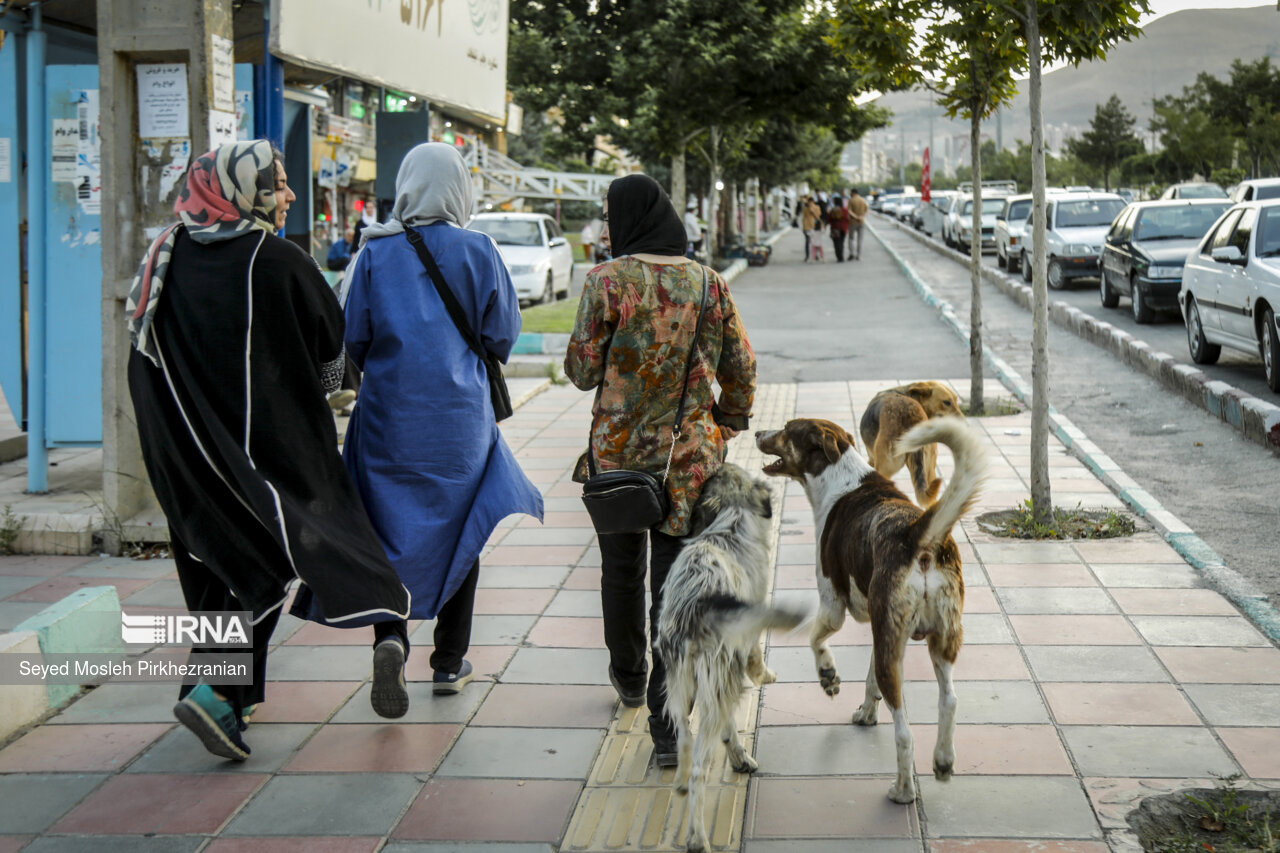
(966, 481)
(740, 623)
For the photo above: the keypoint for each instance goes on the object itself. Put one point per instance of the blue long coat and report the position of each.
(432, 467)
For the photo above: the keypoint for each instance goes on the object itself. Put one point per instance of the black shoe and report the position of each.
(389, 696)
(630, 698)
(447, 683)
(666, 752)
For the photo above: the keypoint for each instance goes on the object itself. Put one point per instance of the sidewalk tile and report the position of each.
(535, 555)
(1147, 751)
(320, 663)
(315, 634)
(980, 599)
(1199, 631)
(978, 702)
(1136, 550)
(32, 802)
(117, 844)
(41, 565)
(800, 576)
(839, 750)
(293, 845)
(11, 585)
(14, 843)
(1026, 552)
(986, 629)
(489, 662)
(356, 748)
(1222, 665)
(121, 703)
(1241, 705)
(1161, 575)
(503, 601)
(1056, 600)
(583, 578)
(490, 810)
(85, 748)
(976, 663)
(162, 593)
(486, 630)
(558, 706)
(337, 804)
(1019, 807)
(843, 845)
(575, 602)
(567, 632)
(1256, 749)
(852, 633)
(1181, 602)
(1094, 663)
(986, 750)
(56, 589)
(302, 701)
(990, 845)
(522, 577)
(1049, 630)
(522, 753)
(549, 536)
(13, 613)
(1094, 704)
(1040, 574)
(179, 751)
(169, 804)
(424, 706)
(830, 807)
(125, 567)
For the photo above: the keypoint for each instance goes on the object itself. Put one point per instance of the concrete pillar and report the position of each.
(132, 32)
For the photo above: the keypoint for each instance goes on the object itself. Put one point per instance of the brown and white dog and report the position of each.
(888, 417)
(885, 561)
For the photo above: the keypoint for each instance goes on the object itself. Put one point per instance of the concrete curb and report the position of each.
(1182, 538)
(1255, 418)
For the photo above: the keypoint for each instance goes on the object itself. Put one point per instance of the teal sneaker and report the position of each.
(213, 721)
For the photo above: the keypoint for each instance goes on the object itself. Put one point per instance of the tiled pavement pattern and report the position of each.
(1093, 673)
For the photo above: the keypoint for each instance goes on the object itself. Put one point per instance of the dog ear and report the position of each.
(833, 446)
(764, 499)
(919, 391)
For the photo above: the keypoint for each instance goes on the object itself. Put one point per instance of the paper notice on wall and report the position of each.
(65, 145)
(244, 114)
(164, 106)
(88, 178)
(222, 128)
(6, 159)
(222, 68)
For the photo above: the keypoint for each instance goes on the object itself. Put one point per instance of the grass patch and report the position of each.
(552, 318)
(1224, 819)
(10, 527)
(995, 407)
(1078, 523)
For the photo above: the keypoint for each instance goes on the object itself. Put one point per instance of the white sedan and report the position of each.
(538, 257)
(1231, 287)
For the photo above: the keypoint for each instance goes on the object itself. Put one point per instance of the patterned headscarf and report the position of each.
(227, 192)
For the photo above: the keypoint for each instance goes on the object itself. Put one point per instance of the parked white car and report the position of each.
(1010, 231)
(949, 217)
(1256, 189)
(1076, 225)
(1231, 288)
(538, 257)
(932, 213)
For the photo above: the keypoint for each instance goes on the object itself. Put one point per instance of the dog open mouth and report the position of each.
(774, 468)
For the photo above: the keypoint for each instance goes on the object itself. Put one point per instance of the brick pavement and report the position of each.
(1093, 674)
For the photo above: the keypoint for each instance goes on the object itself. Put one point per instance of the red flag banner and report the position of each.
(924, 178)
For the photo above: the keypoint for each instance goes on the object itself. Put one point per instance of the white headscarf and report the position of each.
(433, 185)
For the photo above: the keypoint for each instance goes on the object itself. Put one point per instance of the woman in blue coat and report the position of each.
(423, 448)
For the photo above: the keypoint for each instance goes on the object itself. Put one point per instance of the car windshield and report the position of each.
(1189, 222)
(1019, 210)
(1201, 191)
(509, 232)
(1088, 212)
(1269, 232)
(989, 205)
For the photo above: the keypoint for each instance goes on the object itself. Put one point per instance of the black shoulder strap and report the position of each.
(446, 295)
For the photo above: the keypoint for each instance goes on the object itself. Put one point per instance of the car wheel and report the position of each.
(1110, 299)
(1000, 261)
(1202, 352)
(1270, 350)
(1026, 268)
(1142, 312)
(1056, 280)
(1013, 263)
(548, 292)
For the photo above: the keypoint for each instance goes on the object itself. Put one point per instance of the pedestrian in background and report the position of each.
(838, 223)
(811, 224)
(590, 237)
(634, 332)
(340, 251)
(857, 218)
(692, 229)
(237, 339)
(423, 448)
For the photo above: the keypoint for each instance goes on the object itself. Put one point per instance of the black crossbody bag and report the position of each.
(498, 394)
(622, 501)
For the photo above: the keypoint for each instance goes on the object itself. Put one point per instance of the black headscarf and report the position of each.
(642, 219)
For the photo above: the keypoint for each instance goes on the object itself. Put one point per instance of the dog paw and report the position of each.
(696, 847)
(902, 795)
(942, 772)
(747, 765)
(768, 676)
(682, 790)
(865, 716)
(829, 680)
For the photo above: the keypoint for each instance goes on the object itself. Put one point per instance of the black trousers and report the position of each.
(622, 557)
(453, 625)
(838, 239)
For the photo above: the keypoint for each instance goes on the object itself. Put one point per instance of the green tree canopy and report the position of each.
(1109, 139)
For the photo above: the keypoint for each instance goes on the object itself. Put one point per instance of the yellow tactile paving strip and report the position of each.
(630, 804)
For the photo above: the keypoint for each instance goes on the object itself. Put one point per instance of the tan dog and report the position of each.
(886, 561)
(888, 417)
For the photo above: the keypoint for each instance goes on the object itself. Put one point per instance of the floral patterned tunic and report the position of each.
(641, 317)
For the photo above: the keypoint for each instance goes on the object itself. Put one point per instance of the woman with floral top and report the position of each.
(636, 323)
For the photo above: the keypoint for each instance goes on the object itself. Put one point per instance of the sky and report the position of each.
(1164, 7)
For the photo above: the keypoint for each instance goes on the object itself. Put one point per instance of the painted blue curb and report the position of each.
(1198, 554)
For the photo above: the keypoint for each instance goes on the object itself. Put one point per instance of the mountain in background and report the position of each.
(1171, 52)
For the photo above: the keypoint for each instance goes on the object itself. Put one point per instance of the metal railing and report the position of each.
(498, 179)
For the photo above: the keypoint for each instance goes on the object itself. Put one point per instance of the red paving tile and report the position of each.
(502, 601)
(293, 845)
(58, 588)
(1039, 574)
(303, 701)
(1060, 630)
(794, 577)
(1173, 602)
(1222, 665)
(405, 748)
(1097, 704)
(13, 843)
(564, 490)
(997, 750)
(989, 845)
(547, 705)
(583, 577)
(976, 663)
(490, 810)
(980, 599)
(161, 803)
(567, 632)
(40, 565)
(488, 661)
(560, 519)
(83, 748)
(535, 555)
(1257, 750)
(1126, 551)
(315, 634)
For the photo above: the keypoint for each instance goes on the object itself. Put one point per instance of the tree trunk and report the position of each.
(976, 404)
(713, 197)
(1041, 499)
(753, 211)
(731, 229)
(679, 192)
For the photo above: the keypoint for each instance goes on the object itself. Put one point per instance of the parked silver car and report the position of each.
(1076, 225)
